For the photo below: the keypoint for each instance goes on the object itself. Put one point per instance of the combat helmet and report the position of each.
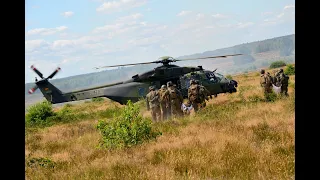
(196, 81)
(169, 84)
(163, 86)
(262, 71)
(151, 88)
(192, 81)
(281, 70)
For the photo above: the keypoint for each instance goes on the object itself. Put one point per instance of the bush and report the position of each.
(290, 70)
(38, 113)
(97, 99)
(277, 64)
(65, 114)
(127, 129)
(229, 76)
(271, 97)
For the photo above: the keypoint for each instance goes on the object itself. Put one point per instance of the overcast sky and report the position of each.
(78, 35)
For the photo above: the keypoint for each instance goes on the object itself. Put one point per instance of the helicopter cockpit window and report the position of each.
(219, 76)
(212, 77)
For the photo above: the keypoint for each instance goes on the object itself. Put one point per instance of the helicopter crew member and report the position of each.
(266, 83)
(153, 103)
(176, 100)
(203, 93)
(164, 98)
(194, 95)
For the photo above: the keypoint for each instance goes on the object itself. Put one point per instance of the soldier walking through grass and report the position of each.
(194, 95)
(283, 80)
(153, 104)
(203, 94)
(176, 100)
(266, 83)
(164, 98)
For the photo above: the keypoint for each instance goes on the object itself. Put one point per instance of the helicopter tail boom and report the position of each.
(51, 93)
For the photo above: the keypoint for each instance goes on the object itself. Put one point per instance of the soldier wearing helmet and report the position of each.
(153, 103)
(194, 95)
(266, 83)
(203, 93)
(164, 98)
(176, 100)
(283, 81)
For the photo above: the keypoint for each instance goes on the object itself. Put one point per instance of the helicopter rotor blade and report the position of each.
(164, 61)
(124, 65)
(32, 90)
(209, 57)
(37, 72)
(54, 73)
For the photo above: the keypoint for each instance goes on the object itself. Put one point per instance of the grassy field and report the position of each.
(237, 136)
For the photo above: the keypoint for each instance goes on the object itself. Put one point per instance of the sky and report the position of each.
(79, 35)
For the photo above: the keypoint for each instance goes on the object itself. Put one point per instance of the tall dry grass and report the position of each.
(237, 136)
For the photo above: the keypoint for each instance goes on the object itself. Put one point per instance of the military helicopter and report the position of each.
(137, 87)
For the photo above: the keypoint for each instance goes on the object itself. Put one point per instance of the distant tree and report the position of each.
(290, 70)
(277, 64)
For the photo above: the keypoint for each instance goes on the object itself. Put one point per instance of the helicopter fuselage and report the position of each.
(137, 87)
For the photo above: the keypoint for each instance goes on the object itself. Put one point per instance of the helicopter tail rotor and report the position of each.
(54, 73)
(32, 90)
(36, 71)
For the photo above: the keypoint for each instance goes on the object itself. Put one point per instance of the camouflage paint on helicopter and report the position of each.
(136, 87)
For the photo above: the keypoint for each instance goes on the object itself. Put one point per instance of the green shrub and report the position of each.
(229, 76)
(65, 114)
(38, 113)
(271, 97)
(97, 99)
(126, 130)
(110, 112)
(277, 64)
(290, 70)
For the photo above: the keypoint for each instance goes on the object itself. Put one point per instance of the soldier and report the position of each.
(265, 82)
(271, 78)
(277, 78)
(164, 98)
(204, 93)
(176, 100)
(153, 103)
(284, 82)
(194, 95)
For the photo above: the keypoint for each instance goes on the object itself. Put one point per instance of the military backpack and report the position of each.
(162, 93)
(194, 92)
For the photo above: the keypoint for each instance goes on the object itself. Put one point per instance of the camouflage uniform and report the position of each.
(153, 103)
(266, 83)
(176, 100)
(194, 95)
(272, 79)
(164, 101)
(277, 79)
(203, 93)
(284, 81)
